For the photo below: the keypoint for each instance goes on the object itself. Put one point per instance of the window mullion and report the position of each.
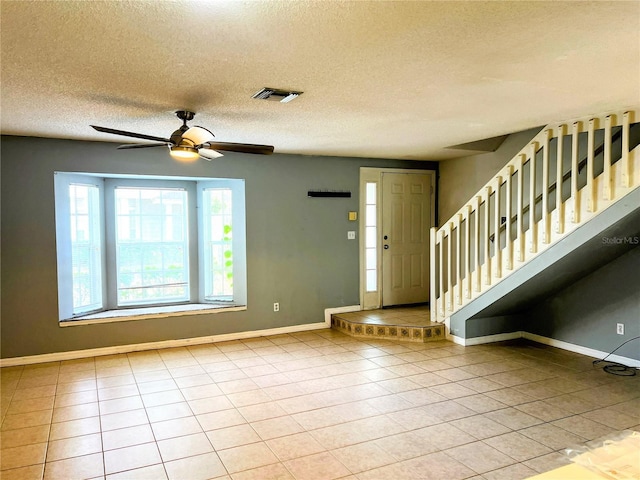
(110, 253)
(192, 231)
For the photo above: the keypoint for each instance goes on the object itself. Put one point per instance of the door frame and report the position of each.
(373, 299)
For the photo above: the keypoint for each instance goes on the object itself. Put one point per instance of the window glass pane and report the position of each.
(371, 216)
(370, 237)
(151, 227)
(86, 265)
(371, 193)
(127, 228)
(127, 202)
(152, 261)
(217, 208)
(372, 285)
(371, 259)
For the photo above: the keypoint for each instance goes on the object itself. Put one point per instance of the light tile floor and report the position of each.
(315, 405)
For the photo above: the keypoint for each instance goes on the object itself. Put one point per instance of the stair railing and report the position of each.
(536, 199)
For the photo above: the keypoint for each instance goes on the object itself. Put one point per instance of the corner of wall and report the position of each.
(460, 178)
(470, 328)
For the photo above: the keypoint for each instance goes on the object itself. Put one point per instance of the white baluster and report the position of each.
(559, 175)
(508, 245)
(520, 210)
(487, 239)
(591, 198)
(496, 235)
(533, 226)
(458, 266)
(575, 214)
(433, 296)
(441, 271)
(467, 253)
(546, 221)
(476, 260)
(449, 275)
(607, 192)
(624, 161)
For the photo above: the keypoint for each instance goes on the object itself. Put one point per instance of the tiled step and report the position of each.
(358, 326)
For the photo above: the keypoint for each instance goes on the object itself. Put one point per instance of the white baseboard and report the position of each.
(330, 311)
(95, 352)
(589, 352)
(499, 337)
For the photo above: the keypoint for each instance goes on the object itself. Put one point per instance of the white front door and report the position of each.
(406, 219)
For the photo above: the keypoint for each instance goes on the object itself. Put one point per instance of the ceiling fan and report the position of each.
(189, 143)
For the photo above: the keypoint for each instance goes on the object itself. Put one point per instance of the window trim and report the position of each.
(148, 313)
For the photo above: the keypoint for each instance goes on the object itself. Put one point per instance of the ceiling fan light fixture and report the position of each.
(184, 154)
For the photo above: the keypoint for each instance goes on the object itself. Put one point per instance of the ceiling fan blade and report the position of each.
(198, 135)
(131, 134)
(142, 145)
(209, 154)
(209, 158)
(239, 147)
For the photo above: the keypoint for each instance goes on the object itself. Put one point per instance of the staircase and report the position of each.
(574, 180)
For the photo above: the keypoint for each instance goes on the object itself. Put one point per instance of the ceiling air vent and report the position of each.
(276, 95)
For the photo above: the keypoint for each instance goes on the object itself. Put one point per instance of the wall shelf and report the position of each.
(328, 194)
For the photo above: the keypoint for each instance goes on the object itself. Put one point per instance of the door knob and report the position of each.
(386, 247)
(386, 237)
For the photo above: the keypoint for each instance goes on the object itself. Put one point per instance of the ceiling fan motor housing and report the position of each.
(185, 115)
(176, 137)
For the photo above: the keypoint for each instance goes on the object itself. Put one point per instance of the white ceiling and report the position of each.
(385, 79)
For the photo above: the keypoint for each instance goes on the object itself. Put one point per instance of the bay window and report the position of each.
(146, 242)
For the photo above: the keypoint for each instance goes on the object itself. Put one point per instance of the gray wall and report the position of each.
(297, 248)
(461, 178)
(586, 313)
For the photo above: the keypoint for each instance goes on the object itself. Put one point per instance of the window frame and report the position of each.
(238, 242)
(62, 182)
(111, 184)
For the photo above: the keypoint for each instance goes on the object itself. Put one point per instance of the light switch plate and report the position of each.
(351, 235)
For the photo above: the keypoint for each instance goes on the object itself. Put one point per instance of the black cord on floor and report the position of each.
(615, 368)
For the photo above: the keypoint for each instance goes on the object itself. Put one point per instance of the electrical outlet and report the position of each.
(620, 328)
(276, 307)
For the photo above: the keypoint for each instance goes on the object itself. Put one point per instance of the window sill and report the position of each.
(147, 313)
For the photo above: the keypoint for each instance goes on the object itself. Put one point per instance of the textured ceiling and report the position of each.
(380, 79)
